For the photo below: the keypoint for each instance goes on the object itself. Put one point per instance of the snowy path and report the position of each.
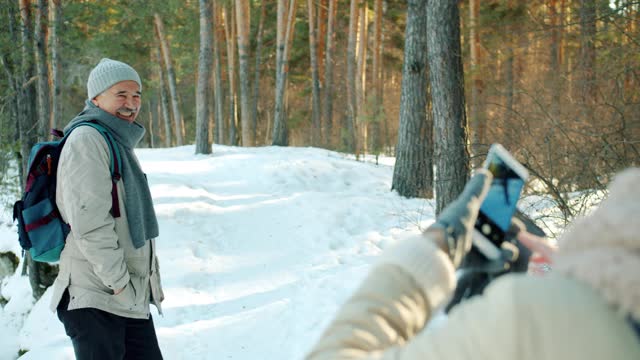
(257, 249)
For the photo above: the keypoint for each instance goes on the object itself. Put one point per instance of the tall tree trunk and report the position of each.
(554, 76)
(13, 111)
(212, 105)
(289, 46)
(447, 94)
(513, 67)
(228, 24)
(376, 102)
(55, 24)
(258, 65)
(171, 75)
(11, 62)
(154, 121)
(27, 121)
(349, 135)
(12, 101)
(40, 33)
(361, 75)
(327, 103)
(285, 33)
(510, 75)
(476, 113)
(413, 171)
(150, 129)
(321, 35)
(563, 41)
(164, 101)
(587, 54)
(316, 135)
(281, 16)
(219, 129)
(40, 274)
(203, 145)
(631, 150)
(509, 81)
(242, 24)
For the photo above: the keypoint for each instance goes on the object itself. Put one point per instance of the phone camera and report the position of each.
(486, 229)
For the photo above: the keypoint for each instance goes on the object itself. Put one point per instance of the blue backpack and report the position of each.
(41, 230)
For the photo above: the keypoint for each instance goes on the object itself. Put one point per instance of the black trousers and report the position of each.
(98, 335)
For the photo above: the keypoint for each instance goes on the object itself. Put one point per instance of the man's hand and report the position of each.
(117, 292)
(452, 230)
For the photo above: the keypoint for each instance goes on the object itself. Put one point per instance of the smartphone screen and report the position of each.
(499, 206)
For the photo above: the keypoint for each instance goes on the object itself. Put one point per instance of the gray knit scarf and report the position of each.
(141, 216)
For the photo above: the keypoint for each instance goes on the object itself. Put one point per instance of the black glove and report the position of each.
(511, 255)
(454, 226)
(477, 271)
(514, 256)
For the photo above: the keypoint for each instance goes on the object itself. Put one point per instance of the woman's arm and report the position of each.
(387, 315)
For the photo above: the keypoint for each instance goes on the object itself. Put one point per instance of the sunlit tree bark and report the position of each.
(349, 131)
(285, 33)
(203, 145)
(413, 171)
(219, 129)
(315, 81)
(242, 25)
(327, 103)
(258, 65)
(376, 100)
(27, 120)
(171, 77)
(164, 101)
(587, 53)
(41, 275)
(361, 76)
(229, 33)
(40, 38)
(322, 10)
(55, 14)
(447, 94)
(476, 112)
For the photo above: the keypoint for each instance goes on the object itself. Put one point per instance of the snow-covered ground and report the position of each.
(258, 247)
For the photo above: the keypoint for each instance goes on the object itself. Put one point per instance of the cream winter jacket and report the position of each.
(99, 256)
(579, 311)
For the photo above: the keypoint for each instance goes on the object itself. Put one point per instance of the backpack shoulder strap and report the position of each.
(115, 164)
(636, 326)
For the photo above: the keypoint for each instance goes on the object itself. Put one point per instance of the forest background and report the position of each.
(432, 83)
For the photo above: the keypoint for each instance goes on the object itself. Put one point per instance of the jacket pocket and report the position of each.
(83, 276)
(131, 298)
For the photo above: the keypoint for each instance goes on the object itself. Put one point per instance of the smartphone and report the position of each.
(499, 206)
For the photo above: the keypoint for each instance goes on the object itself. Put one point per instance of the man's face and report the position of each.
(121, 100)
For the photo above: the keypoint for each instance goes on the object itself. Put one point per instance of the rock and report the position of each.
(41, 275)
(8, 264)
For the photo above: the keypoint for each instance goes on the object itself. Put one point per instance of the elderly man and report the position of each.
(108, 268)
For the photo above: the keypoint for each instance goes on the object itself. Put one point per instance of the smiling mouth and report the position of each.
(126, 113)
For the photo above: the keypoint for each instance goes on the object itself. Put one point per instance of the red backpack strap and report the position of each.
(57, 133)
(115, 204)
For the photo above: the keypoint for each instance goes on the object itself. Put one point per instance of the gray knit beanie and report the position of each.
(108, 73)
